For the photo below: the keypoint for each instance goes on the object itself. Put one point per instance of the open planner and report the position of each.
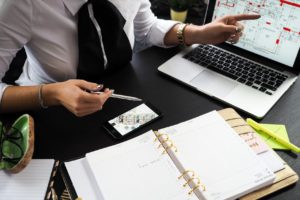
(211, 156)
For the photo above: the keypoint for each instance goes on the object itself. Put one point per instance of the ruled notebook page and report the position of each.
(30, 184)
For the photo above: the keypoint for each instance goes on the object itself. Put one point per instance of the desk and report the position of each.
(61, 135)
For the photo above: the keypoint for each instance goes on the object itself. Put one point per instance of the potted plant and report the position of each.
(179, 9)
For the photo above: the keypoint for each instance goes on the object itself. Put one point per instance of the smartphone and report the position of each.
(131, 120)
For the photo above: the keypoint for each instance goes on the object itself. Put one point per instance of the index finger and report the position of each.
(246, 17)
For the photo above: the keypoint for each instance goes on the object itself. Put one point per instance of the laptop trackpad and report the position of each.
(211, 83)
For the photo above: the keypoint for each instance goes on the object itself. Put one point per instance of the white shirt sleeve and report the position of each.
(15, 23)
(148, 29)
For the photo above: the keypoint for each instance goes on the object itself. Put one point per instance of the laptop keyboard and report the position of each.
(239, 69)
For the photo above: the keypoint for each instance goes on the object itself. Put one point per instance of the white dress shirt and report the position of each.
(48, 31)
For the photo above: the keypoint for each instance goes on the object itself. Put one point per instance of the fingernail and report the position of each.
(98, 88)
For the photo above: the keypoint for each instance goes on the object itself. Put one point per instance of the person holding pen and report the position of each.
(56, 71)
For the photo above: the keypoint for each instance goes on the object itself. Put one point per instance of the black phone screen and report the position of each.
(131, 120)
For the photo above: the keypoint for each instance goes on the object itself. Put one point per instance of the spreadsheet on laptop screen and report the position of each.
(276, 35)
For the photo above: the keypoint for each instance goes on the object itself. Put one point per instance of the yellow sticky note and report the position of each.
(279, 130)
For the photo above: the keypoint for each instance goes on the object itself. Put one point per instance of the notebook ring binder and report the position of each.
(196, 187)
(158, 135)
(193, 189)
(165, 141)
(195, 180)
(186, 172)
(192, 180)
(169, 144)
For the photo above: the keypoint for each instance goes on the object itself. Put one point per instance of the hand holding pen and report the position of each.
(118, 96)
(77, 96)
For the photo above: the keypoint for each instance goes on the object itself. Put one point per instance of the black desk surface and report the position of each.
(61, 135)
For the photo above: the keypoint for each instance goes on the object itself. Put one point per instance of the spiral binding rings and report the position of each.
(171, 146)
(197, 186)
(187, 172)
(192, 179)
(165, 142)
(158, 135)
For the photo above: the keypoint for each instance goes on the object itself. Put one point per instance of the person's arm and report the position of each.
(148, 29)
(15, 32)
(218, 31)
(71, 94)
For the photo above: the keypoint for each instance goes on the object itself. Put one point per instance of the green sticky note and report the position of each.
(280, 130)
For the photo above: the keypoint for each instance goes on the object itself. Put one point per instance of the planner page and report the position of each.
(137, 169)
(224, 163)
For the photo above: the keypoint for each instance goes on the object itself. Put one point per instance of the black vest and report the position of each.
(96, 57)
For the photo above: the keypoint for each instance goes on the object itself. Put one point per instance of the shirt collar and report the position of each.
(74, 5)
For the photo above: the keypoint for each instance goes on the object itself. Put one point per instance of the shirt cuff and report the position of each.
(159, 30)
(3, 86)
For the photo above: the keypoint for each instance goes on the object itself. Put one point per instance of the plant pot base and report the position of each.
(178, 15)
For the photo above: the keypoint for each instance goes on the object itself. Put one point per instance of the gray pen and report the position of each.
(119, 96)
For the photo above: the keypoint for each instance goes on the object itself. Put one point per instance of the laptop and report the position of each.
(254, 73)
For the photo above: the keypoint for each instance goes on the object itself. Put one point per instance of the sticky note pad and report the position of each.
(255, 142)
(280, 130)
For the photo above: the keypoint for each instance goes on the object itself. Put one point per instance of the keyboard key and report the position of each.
(238, 74)
(237, 68)
(222, 72)
(257, 82)
(262, 89)
(277, 86)
(251, 79)
(241, 80)
(268, 86)
(271, 83)
(249, 83)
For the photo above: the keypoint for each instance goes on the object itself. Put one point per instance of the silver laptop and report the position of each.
(254, 73)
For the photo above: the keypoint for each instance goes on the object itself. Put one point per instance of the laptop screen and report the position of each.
(276, 35)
